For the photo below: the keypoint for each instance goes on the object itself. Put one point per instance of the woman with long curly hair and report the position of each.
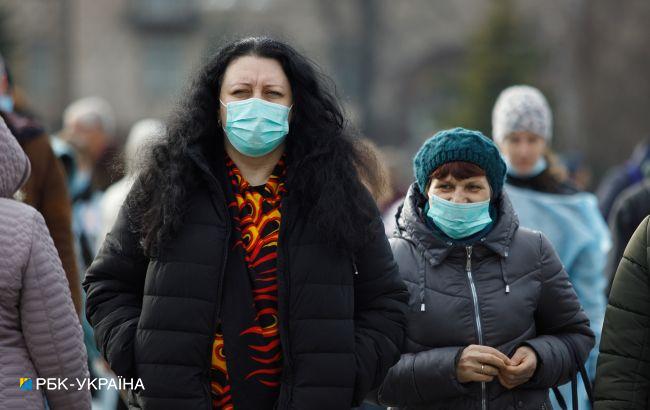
(248, 268)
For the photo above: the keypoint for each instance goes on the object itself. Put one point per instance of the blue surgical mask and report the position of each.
(256, 127)
(6, 103)
(540, 166)
(456, 220)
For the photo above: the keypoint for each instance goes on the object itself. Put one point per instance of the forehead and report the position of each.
(523, 135)
(255, 70)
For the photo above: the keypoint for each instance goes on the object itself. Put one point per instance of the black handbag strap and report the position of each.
(568, 341)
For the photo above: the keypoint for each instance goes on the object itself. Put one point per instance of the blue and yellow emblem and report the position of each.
(26, 383)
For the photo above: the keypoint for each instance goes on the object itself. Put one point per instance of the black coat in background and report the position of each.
(540, 306)
(629, 210)
(341, 315)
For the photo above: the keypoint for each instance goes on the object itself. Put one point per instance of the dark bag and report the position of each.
(574, 379)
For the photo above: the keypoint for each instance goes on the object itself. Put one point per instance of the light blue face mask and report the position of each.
(256, 127)
(6, 103)
(540, 166)
(459, 221)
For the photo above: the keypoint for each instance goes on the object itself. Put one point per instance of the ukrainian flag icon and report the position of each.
(26, 383)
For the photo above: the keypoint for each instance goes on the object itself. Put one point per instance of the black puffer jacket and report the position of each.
(623, 375)
(341, 317)
(446, 315)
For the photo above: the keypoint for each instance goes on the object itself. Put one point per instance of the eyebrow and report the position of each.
(244, 82)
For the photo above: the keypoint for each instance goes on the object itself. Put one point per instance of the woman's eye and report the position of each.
(239, 92)
(275, 93)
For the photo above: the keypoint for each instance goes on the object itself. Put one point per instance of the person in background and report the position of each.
(40, 334)
(491, 305)
(103, 399)
(631, 207)
(635, 170)
(545, 201)
(89, 127)
(46, 188)
(143, 133)
(623, 375)
(248, 266)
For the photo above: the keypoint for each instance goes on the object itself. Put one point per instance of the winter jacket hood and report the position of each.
(14, 165)
(412, 227)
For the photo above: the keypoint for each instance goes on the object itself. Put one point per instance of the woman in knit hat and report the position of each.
(522, 128)
(490, 301)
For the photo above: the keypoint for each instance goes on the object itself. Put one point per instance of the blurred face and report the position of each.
(89, 141)
(254, 77)
(463, 191)
(523, 149)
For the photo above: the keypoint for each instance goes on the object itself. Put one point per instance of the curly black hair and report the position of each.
(326, 160)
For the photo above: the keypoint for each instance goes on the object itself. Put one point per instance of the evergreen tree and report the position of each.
(501, 53)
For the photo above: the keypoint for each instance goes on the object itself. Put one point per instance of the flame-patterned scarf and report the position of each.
(247, 354)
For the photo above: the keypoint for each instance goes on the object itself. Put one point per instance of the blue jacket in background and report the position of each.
(577, 230)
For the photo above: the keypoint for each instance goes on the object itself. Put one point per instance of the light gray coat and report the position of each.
(40, 334)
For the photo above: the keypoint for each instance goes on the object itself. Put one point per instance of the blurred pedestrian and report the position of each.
(248, 267)
(491, 306)
(618, 179)
(623, 376)
(40, 334)
(546, 201)
(89, 127)
(143, 133)
(46, 188)
(629, 210)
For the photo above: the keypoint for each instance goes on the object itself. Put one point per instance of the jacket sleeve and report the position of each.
(423, 378)
(589, 283)
(623, 376)
(380, 312)
(50, 325)
(47, 192)
(114, 285)
(558, 315)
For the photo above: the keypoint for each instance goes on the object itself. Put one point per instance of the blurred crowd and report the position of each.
(82, 173)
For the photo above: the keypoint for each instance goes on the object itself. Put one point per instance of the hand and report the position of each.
(521, 369)
(480, 364)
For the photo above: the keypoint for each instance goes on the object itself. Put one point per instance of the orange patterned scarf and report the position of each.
(256, 350)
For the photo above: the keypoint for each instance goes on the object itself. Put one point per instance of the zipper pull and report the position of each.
(468, 266)
(422, 307)
(354, 266)
(507, 288)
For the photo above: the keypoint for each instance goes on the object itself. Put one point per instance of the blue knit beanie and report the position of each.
(459, 144)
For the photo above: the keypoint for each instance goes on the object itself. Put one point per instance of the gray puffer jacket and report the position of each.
(507, 290)
(40, 334)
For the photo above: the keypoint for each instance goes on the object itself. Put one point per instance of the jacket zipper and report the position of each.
(284, 300)
(477, 315)
(217, 308)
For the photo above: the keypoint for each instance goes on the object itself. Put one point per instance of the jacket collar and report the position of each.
(411, 226)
